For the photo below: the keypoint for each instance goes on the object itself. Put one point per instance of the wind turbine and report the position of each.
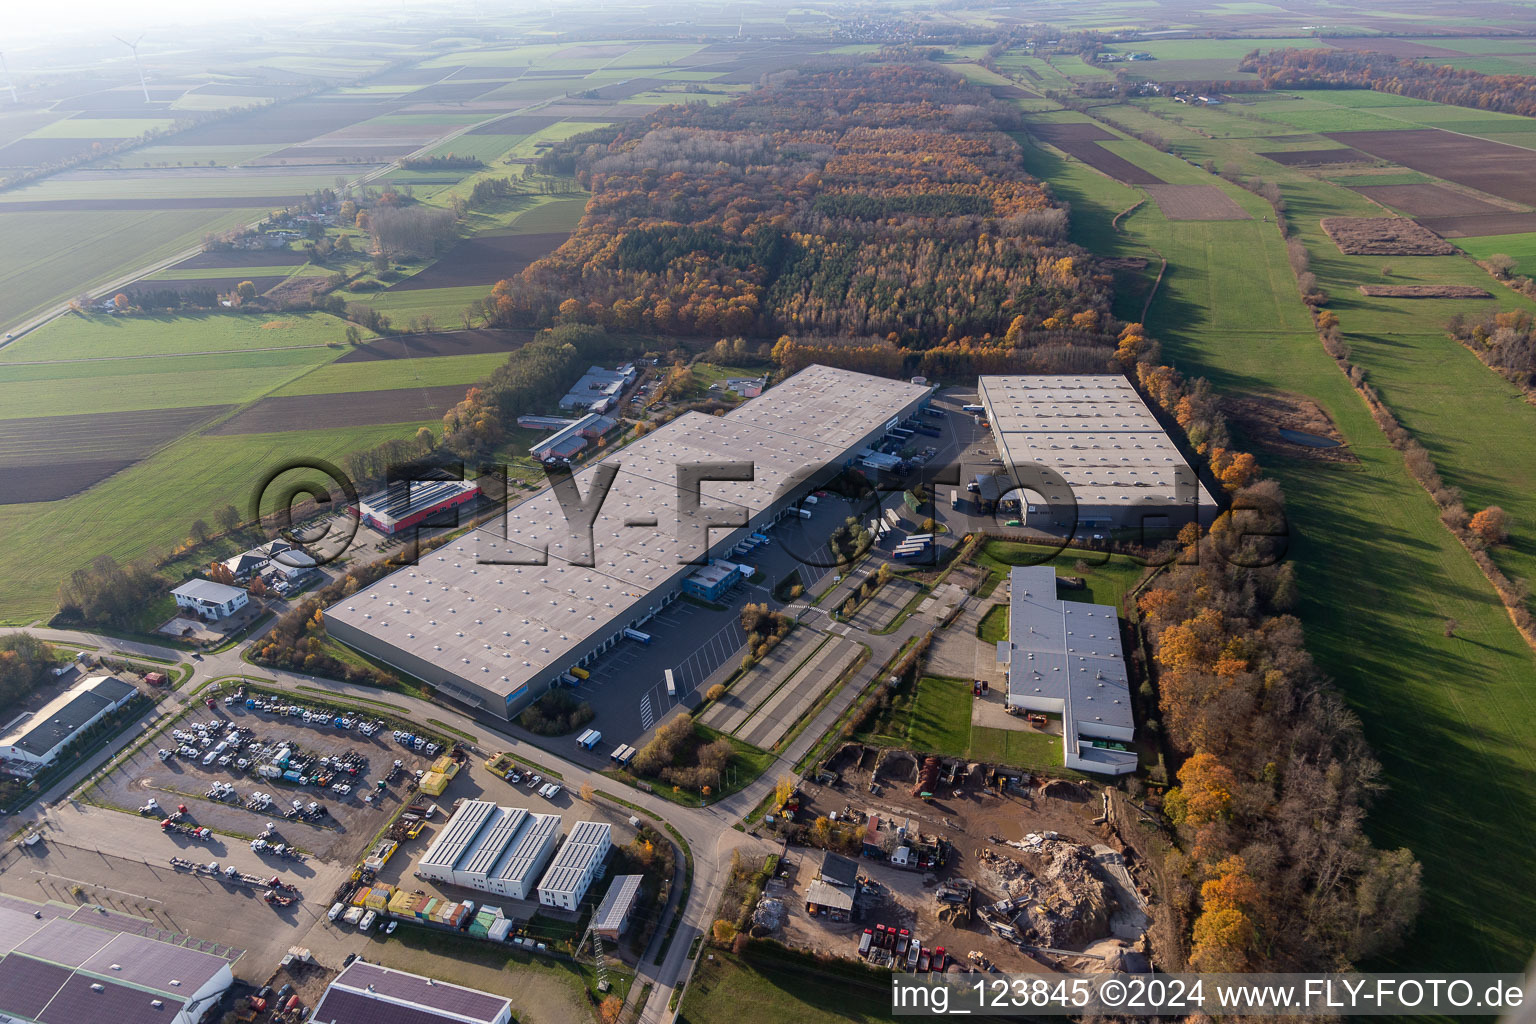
(134, 47)
(10, 82)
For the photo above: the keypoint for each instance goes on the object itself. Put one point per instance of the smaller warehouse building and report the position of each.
(408, 503)
(211, 600)
(599, 390)
(493, 849)
(1065, 658)
(612, 917)
(1088, 452)
(366, 993)
(572, 438)
(711, 582)
(577, 865)
(38, 738)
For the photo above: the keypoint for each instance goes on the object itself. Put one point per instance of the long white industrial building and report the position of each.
(484, 622)
(492, 849)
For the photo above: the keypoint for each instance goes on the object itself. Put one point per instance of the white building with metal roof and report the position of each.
(1087, 446)
(494, 618)
(577, 864)
(209, 599)
(1065, 658)
(612, 915)
(493, 849)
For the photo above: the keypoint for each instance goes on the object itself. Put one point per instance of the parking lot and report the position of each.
(228, 799)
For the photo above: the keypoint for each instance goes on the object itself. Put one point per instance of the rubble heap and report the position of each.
(1058, 899)
(769, 914)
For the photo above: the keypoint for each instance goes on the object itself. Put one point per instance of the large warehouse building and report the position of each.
(492, 849)
(1064, 658)
(1095, 433)
(484, 623)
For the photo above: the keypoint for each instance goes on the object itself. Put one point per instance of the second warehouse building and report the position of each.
(503, 850)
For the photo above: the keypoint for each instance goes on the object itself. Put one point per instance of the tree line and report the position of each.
(1276, 777)
(1363, 69)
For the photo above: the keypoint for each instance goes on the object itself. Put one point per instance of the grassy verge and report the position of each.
(769, 986)
(682, 896)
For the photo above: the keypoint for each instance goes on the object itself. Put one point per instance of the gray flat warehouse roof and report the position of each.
(503, 626)
(1095, 431)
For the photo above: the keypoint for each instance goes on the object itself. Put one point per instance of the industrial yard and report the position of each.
(1020, 870)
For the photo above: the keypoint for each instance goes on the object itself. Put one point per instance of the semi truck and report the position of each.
(954, 497)
(588, 739)
(671, 684)
(637, 636)
(976, 409)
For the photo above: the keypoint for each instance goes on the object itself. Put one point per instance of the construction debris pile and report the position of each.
(769, 914)
(1055, 896)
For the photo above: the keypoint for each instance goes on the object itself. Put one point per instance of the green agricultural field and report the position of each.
(49, 257)
(1388, 178)
(554, 214)
(443, 305)
(1206, 49)
(483, 147)
(169, 382)
(177, 156)
(1316, 116)
(196, 274)
(101, 127)
(385, 374)
(148, 508)
(168, 183)
(105, 336)
(1450, 717)
(1493, 65)
(1522, 248)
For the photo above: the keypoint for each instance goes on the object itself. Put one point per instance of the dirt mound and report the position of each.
(1262, 417)
(1056, 896)
(1062, 789)
(1384, 236)
(1424, 291)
